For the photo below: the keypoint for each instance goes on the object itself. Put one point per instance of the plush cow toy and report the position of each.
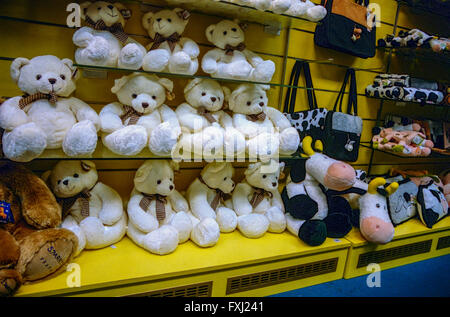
(312, 212)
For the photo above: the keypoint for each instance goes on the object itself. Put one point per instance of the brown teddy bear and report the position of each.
(32, 247)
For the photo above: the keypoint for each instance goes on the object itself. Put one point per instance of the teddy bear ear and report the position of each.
(16, 65)
(46, 177)
(182, 13)
(242, 25)
(126, 13)
(87, 165)
(142, 172)
(191, 84)
(226, 96)
(174, 165)
(147, 20)
(73, 69)
(209, 32)
(264, 87)
(119, 83)
(252, 168)
(168, 84)
(83, 9)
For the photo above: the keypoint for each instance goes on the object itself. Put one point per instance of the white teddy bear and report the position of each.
(103, 42)
(140, 117)
(169, 51)
(267, 130)
(158, 213)
(211, 213)
(91, 209)
(303, 9)
(207, 130)
(230, 58)
(46, 117)
(257, 202)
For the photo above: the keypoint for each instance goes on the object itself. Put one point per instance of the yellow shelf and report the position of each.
(125, 263)
(412, 242)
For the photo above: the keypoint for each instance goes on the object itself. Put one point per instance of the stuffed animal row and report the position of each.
(406, 141)
(415, 38)
(297, 8)
(103, 42)
(404, 88)
(47, 117)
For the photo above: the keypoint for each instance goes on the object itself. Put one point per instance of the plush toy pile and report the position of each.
(103, 41)
(405, 88)
(298, 8)
(32, 247)
(415, 38)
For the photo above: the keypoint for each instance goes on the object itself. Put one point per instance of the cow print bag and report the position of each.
(308, 122)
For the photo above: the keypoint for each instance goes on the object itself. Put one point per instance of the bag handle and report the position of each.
(289, 102)
(352, 94)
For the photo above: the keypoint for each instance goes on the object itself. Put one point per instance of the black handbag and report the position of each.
(308, 122)
(343, 130)
(347, 27)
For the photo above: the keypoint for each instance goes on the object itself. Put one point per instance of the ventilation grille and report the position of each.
(394, 253)
(194, 290)
(443, 242)
(263, 279)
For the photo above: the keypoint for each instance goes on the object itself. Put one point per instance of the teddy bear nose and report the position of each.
(66, 182)
(171, 187)
(110, 6)
(144, 105)
(261, 103)
(234, 29)
(274, 184)
(213, 99)
(52, 80)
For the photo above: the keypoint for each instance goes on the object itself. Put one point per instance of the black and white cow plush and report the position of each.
(405, 94)
(311, 213)
(305, 121)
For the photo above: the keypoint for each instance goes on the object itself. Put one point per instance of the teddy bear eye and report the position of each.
(38, 77)
(75, 175)
(234, 29)
(158, 182)
(134, 96)
(158, 19)
(203, 93)
(378, 205)
(264, 176)
(224, 178)
(59, 182)
(63, 77)
(154, 97)
(248, 103)
(170, 20)
(99, 8)
(224, 32)
(261, 97)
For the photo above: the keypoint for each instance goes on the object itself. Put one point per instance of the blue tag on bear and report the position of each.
(6, 215)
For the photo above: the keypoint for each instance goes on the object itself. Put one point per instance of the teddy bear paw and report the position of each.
(253, 225)
(10, 281)
(289, 141)
(129, 140)
(234, 142)
(227, 219)
(163, 240)
(156, 60)
(183, 224)
(180, 62)
(163, 139)
(277, 220)
(24, 143)
(316, 13)
(206, 233)
(96, 52)
(264, 71)
(239, 70)
(81, 139)
(131, 57)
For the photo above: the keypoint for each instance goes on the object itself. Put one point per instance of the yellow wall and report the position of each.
(28, 39)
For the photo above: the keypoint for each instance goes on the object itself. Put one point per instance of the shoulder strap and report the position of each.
(291, 93)
(352, 94)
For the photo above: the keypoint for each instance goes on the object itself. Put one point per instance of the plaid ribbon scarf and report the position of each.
(67, 203)
(229, 50)
(256, 117)
(130, 113)
(27, 99)
(116, 29)
(207, 114)
(219, 197)
(160, 204)
(172, 40)
(258, 196)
